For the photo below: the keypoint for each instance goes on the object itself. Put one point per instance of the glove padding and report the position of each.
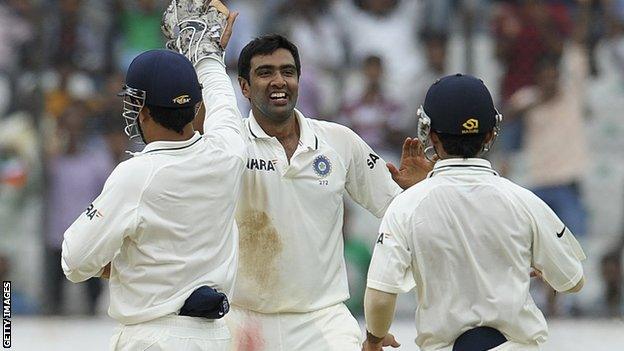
(194, 29)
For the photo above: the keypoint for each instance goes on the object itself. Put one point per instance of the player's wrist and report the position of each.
(370, 338)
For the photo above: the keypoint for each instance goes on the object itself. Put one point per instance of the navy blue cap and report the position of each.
(460, 104)
(167, 77)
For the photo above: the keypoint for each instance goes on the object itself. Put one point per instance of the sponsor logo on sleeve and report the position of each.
(381, 237)
(371, 161)
(322, 166)
(93, 212)
(560, 234)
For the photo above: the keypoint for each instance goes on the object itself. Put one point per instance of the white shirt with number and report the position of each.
(165, 218)
(468, 238)
(290, 215)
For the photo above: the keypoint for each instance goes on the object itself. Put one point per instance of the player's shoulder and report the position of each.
(330, 131)
(521, 196)
(132, 173)
(338, 137)
(514, 188)
(413, 197)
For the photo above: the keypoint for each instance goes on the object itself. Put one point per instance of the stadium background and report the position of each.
(366, 64)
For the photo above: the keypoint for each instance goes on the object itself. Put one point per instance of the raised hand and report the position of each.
(414, 165)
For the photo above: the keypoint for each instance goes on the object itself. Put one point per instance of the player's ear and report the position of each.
(244, 85)
(434, 137)
(144, 114)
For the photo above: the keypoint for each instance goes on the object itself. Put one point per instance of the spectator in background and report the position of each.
(374, 116)
(58, 98)
(607, 106)
(388, 29)
(16, 33)
(62, 87)
(611, 273)
(436, 15)
(75, 176)
(524, 32)
(140, 29)
(312, 25)
(555, 143)
(20, 302)
(77, 32)
(435, 45)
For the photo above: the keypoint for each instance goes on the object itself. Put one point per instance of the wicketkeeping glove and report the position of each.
(194, 29)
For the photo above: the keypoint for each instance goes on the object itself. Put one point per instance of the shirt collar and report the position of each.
(165, 145)
(307, 138)
(472, 164)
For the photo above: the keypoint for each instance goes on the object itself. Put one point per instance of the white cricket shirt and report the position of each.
(290, 215)
(165, 218)
(468, 238)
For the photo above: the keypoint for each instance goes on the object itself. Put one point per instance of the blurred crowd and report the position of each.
(557, 68)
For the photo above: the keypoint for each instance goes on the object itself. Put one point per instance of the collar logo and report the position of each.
(182, 99)
(322, 166)
(471, 126)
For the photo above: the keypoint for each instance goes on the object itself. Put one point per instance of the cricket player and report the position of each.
(468, 238)
(165, 218)
(292, 281)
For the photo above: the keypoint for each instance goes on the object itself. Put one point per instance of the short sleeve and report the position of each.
(390, 268)
(369, 182)
(556, 252)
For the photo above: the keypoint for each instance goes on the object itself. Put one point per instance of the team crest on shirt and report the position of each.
(321, 165)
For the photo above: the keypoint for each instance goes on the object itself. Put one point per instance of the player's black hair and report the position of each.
(265, 45)
(172, 118)
(465, 146)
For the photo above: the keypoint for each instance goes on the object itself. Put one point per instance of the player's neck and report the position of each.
(283, 130)
(164, 134)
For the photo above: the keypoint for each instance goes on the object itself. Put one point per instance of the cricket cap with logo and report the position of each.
(460, 104)
(167, 78)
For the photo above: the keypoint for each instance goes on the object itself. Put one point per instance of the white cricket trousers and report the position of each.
(173, 333)
(329, 329)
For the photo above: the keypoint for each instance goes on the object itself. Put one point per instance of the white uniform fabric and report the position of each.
(290, 215)
(468, 238)
(172, 332)
(329, 329)
(290, 219)
(165, 218)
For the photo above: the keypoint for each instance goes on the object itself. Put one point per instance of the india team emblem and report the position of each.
(322, 166)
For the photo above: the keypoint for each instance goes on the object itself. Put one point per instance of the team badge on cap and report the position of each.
(182, 99)
(322, 167)
(470, 126)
